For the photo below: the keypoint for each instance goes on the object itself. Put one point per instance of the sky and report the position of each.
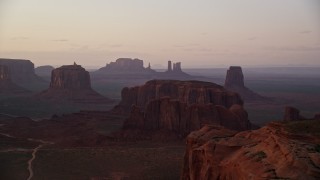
(198, 33)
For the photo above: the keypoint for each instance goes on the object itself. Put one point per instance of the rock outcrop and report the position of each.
(126, 65)
(6, 85)
(162, 109)
(169, 114)
(21, 71)
(235, 82)
(271, 152)
(189, 92)
(72, 82)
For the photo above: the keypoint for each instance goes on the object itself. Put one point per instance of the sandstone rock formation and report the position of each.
(21, 71)
(126, 65)
(189, 92)
(235, 82)
(268, 153)
(170, 114)
(6, 85)
(168, 109)
(72, 82)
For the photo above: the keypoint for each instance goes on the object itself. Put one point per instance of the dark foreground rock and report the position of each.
(272, 152)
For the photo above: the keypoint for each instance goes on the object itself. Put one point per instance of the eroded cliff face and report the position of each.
(271, 152)
(162, 109)
(173, 115)
(72, 83)
(189, 92)
(21, 71)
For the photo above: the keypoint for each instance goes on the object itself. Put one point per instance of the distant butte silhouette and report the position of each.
(6, 85)
(21, 71)
(126, 65)
(134, 69)
(72, 82)
(235, 82)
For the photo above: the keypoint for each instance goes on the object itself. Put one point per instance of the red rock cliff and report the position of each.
(189, 92)
(173, 115)
(268, 153)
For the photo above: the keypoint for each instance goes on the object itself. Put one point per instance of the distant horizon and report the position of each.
(164, 65)
(198, 34)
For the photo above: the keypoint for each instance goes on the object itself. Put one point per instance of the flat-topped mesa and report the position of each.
(72, 82)
(235, 82)
(72, 77)
(168, 114)
(126, 65)
(170, 109)
(189, 92)
(6, 85)
(21, 71)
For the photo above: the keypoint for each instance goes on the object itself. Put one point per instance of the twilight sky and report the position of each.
(199, 33)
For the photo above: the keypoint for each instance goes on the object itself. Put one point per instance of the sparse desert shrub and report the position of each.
(260, 155)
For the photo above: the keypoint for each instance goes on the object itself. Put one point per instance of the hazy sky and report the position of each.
(199, 33)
